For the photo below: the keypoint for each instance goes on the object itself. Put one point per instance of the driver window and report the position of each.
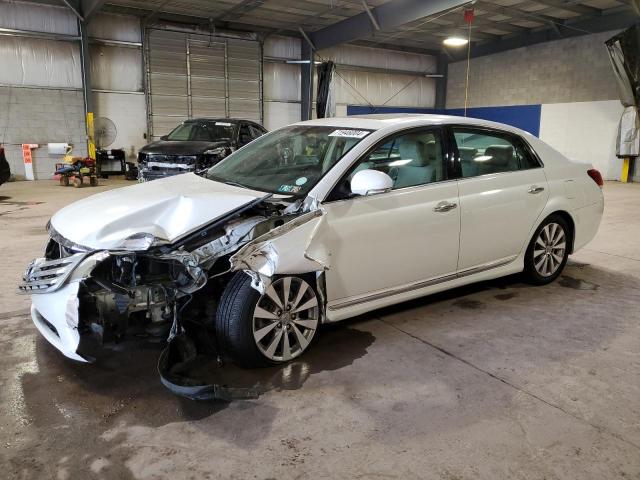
(244, 135)
(410, 159)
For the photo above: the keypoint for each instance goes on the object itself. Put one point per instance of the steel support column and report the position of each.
(87, 94)
(306, 82)
(441, 83)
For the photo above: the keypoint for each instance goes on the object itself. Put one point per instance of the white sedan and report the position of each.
(312, 223)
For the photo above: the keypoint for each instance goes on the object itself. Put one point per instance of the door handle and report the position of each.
(535, 190)
(444, 207)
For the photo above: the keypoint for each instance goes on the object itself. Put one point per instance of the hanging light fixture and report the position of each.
(455, 41)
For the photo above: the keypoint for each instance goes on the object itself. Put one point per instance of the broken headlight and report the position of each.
(140, 241)
(220, 151)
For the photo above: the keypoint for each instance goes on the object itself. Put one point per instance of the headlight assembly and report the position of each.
(140, 242)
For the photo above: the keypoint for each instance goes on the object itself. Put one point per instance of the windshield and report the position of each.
(202, 131)
(288, 161)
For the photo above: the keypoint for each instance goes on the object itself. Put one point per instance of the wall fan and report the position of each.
(105, 132)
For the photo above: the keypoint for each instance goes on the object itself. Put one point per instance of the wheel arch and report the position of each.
(567, 217)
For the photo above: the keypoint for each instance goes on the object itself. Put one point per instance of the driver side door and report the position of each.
(391, 243)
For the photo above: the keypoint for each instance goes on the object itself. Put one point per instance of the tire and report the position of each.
(77, 182)
(548, 251)
(93, 181)
(249, 324)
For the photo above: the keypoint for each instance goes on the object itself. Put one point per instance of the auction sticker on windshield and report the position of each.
(350, 133)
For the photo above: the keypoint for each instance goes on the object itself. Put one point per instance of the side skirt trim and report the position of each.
(423, 284)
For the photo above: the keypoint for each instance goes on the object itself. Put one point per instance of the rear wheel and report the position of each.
(548, 251)
(272, 328)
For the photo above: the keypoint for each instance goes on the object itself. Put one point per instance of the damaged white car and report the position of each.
(316, 222)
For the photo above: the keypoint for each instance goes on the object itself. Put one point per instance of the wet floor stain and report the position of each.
(5, 201)
(335, 348)
(505, 296)
(577, 284)
(468, 304)
(127, 381)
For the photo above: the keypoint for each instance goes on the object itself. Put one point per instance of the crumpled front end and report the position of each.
(152, 166)
(87, 300)
(84, 300)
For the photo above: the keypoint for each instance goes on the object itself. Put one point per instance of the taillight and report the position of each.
(595, 176)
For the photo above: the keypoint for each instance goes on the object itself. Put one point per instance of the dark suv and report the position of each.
(194, 146)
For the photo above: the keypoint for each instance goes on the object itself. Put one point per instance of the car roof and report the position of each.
(394, 120)
(213, 119)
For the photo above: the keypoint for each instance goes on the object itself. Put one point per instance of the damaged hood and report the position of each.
(167, 208)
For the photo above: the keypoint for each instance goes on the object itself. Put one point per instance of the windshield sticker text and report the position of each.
(289, 188)
(349, 133)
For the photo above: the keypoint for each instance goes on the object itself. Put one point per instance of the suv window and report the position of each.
(255, 131)
(482, 153)
(410, 159)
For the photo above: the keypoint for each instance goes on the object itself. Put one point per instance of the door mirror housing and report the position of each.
(370, 182)
(164, 137)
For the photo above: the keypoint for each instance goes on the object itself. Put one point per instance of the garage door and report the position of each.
(192, 76)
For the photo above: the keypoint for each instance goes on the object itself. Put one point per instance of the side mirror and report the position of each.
(371, 182)
(164, 137)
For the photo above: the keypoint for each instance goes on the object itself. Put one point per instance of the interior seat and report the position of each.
(420, 169)
(500, 159)
(467, 161)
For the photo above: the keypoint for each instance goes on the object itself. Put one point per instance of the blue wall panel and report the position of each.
(525, 117)
(366, 110)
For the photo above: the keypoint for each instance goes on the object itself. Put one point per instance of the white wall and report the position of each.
(571, 78)
(350, 86)
(584, 131)
(116, 76)
(361, 87)
(127, 111)
(281, 85)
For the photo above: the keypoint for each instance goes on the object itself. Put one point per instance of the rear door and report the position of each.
(503, 190)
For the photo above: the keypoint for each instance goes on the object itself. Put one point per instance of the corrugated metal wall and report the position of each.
(192, 75)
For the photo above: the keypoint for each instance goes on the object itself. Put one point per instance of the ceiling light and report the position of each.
(455, 41)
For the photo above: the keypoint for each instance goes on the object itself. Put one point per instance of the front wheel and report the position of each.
(548, 251)
(272, 328)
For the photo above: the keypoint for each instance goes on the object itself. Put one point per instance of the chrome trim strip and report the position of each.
(423, 284)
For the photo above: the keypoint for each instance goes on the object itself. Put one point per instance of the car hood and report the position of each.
(167, 147)
(168, 209)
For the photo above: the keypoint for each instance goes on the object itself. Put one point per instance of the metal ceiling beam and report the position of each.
(570, 6)
(84, 9)
(427, 50)
(389, 15)
(90, 7)
(74, 7)
(514, 13)
(239, 10)
(619, 20)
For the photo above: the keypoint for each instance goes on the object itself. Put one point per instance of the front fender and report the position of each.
(293, 248)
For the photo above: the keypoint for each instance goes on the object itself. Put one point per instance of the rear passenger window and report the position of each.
(482, 153)
(410, 159)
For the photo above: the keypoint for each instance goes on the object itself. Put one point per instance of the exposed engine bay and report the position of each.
(168, 291)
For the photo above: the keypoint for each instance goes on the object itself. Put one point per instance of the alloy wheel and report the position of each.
(549, 249)
(285, 319)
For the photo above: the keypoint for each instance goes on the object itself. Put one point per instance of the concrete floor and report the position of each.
(498, 380)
